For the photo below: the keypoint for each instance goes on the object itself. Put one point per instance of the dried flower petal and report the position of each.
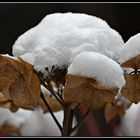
(132, 63)
(87, 91)
(19, 83)
(132, 88)
(7, 103)
(10, 129)
(111, 110)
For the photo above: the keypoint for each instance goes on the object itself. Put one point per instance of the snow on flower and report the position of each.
(59, 37)
(130, 49)
(98, 66)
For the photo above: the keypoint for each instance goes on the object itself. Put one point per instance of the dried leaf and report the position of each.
(9, 105)
(87, 91)
(132, 88)
(19, 83)
(121, 111)
(111, 110)
(119, 107)
(3, 98)
(35, 88)
(6, 103)
(132, 63)
(54, 104)
(10, 129)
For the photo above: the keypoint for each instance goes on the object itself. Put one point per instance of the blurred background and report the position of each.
(16, 18)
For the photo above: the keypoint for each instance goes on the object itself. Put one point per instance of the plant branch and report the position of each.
(67, 121)
(81, 121)
(43, 80)
(59, 93)
(76, 107)
(53, 93)
(51, 112)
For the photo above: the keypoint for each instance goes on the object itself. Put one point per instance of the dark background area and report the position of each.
(16, 18)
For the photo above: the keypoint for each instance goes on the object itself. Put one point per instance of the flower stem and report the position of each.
(51, 112)
(53, 93)
(67, 122)
(80, 122)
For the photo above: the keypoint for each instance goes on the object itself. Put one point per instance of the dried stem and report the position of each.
(51, 112)
(67, 122)
(53, 93)
(76, 107)
(66, 129)
(136, 71)
(42, 82)
(80, 122)
(59, 93)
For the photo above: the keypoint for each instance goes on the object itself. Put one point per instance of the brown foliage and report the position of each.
(132, 88)
(132, 63)
(19, 83)
(87, 91)
(6, 103)
(10, 129)
(111, 110)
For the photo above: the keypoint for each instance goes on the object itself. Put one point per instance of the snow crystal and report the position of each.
(130, 49)
(59, 37)
(98, 66)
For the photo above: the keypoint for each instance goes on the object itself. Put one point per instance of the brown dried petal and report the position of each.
(3, 98)
(132, 88)
(35, 88)
(83, 90)
(74, 81)
(10, 129)
(7, 103)
(111, 110)
(132, 63)
(21, 94)
(121, 111)
(19, 83)
(11, 106)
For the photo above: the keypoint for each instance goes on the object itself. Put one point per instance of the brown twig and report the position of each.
(53, 93)
(81, 121)
(51, 112)
(67, 121)
(76, 107)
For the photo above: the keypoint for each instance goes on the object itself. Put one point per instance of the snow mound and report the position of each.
(59, 37)
(95, 65)
(130, 49)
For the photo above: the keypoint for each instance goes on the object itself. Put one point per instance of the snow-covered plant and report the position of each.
(67, 60)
